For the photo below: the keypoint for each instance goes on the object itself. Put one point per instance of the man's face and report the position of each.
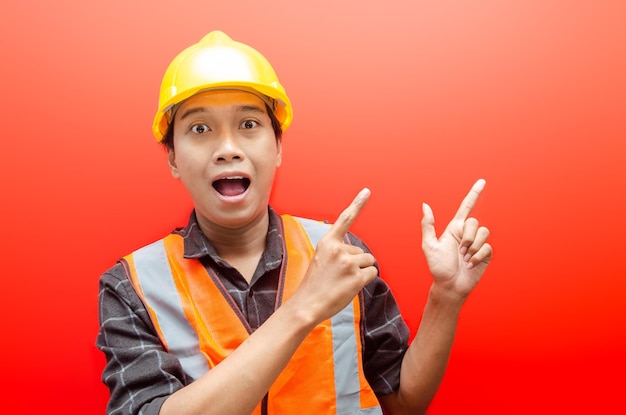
(226, 155)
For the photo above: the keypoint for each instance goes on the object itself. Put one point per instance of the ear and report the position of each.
(279, 155)
(171, 161)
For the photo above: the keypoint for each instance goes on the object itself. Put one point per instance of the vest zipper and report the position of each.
(264, 404)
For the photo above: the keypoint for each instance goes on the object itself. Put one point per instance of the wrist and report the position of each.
(301, 317)
(445, 296)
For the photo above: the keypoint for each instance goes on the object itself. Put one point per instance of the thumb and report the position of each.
(428, 225)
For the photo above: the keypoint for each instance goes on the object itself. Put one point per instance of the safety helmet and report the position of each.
(218, 62)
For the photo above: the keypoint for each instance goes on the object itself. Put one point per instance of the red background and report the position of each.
(414, 99)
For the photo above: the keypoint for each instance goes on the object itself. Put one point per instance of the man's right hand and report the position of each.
(338, 271)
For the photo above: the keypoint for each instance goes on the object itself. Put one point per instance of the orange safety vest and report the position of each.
(197, 320)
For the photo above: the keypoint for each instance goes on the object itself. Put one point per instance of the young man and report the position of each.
(247, 311)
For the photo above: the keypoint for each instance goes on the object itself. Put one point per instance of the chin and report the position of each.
(237, 219)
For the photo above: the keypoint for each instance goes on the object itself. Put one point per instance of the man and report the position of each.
(247, 311)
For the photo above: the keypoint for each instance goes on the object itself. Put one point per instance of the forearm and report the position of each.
(250, 368)
(425, 361)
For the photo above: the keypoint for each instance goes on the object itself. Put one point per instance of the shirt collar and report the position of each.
(196, 245)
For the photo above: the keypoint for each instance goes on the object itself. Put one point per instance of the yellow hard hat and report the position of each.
(218, 62)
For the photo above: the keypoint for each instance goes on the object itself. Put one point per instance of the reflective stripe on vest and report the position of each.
(197, 321)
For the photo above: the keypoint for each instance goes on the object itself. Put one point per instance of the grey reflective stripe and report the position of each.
(314, 229)
(345, 357)
(157, 283)
(347, 385)
(377, 410)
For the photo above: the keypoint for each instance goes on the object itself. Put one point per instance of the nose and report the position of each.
(228, 148)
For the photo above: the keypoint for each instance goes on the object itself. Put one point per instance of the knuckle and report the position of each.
(473, 222)
(488, 249)
(468, 239)
(346, 216)
(369, 275)
(345, 262)
(323, 242)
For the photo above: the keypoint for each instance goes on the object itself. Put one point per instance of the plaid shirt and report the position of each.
(141, 374)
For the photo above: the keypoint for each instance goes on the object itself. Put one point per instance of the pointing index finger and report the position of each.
(470, 200)
(348, 216)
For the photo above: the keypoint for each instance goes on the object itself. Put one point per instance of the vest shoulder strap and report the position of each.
(314, 229)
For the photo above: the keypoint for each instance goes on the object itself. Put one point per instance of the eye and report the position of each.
(249, 124)
(200, 128)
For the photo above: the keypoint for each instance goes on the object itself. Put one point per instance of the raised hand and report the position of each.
(338, 271)
(459, 257)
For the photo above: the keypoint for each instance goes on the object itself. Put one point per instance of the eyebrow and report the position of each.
(239, 108)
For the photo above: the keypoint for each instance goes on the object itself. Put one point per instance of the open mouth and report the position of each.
(231, 186)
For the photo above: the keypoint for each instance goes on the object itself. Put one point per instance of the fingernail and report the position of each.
(470, 265)
(425, 208)
(481, 183)
(463, 250)
(467, 257)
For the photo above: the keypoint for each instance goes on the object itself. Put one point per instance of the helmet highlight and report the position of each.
(218, 62)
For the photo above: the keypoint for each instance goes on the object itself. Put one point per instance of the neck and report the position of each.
(241, 242)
